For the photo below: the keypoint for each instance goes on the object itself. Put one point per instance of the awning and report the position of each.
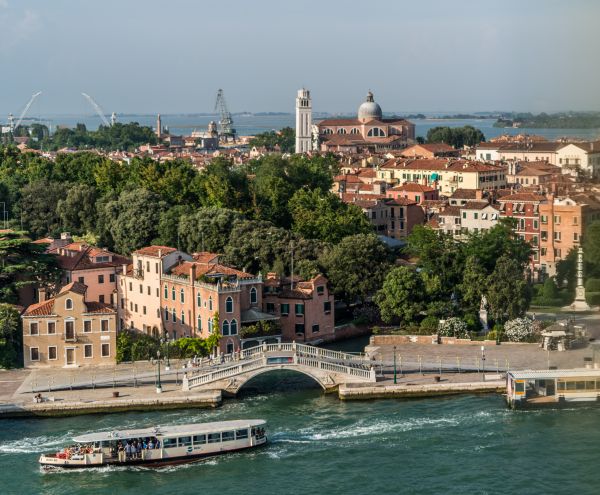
(253, 315)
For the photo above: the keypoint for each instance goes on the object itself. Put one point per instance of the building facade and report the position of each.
(69, 331)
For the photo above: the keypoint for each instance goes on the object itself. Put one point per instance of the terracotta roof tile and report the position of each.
(43, 308)
(156, 251)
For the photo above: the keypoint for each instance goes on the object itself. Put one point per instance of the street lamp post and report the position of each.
(395, 374)
(158, 384)
(166, 341)
(483, 362)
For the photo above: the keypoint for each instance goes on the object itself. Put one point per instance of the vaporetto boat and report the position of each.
(159, 446)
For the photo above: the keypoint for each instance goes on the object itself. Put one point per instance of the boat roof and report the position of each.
(543, 374)
(168, 431)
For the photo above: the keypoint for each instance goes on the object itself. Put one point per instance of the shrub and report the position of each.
(593, 298)
(473, 322)
(491, 335)
(519, 329)
(454, 327)
(429, 325)
(592, 285)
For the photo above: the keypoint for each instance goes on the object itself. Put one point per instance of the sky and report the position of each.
(147, 56)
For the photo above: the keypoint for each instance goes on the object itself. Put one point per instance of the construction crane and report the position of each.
(98, 109)
(14, 126)
(226, 129)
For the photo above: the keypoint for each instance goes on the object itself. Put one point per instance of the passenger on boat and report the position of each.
(151, 444)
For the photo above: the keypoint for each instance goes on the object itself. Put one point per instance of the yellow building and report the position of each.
(68, 331)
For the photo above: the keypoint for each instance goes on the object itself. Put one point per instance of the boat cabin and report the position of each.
(538, 388)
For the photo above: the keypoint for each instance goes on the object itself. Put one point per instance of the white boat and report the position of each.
(159, 446)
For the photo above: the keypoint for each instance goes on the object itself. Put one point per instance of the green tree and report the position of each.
(591, 249)
(402, 296)
(24, 264)
(324, 216)
(221, 185)
(283, 140)
(207, 228)
(38, 206)
(11, 340)
(132, 219)
(168, 226)
(455, 136)
(508, 292)
(473, 285)
(77, 211)
(356, 267)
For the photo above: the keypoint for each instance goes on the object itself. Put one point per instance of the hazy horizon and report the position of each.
(144, 57)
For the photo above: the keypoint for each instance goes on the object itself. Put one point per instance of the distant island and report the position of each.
(570, 120)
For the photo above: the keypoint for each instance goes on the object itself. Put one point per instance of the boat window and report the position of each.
(519, 387)
(214, 437)
(562, 386)
(590, 385)
(169, 443)
(580, 386)
(199, 439)
(570, 385)
(241, 434)
(228, 436)
(185, 441)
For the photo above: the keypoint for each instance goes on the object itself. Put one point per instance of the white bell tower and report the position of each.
(303, 121)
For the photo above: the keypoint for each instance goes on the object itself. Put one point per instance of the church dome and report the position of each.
(369, 110)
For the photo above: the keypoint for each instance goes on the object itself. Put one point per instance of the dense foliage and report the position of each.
(562, 120)
(455, 136)
(283, 140)
(10, 336)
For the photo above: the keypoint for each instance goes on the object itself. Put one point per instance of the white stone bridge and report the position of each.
(328, 368)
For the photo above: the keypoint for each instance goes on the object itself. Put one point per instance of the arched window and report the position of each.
(182, 317)
(173, 293)
(69, 304)
(166, 292)
(225, 327)
(233, 327)
(174, 315)
(166, 314)
(327, 131)
(199, 323)
(354, 131)
(341, 130)
(210, 325)
(376, 132)
(210, 303)
(253, 298)
(229, 305)
(181, 296)
(198, 299)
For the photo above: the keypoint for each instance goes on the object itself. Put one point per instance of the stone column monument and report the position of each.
(483, 314)
(580, 303)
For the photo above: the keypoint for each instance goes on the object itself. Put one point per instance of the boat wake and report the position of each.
(35, 445)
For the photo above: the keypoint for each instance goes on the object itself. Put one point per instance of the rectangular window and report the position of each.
(214, 437)
(52, 353)
(141, 289)
(101, 298)
(327, 307)
(136, 307)
(156, 267)
(34, 354)
(299, 328)
(185, 441)
(130, 287)
(169, 443)
(105, 350)
(299, 308)
(557, 219)
(51, 327)
(104, 325)
(464, 214)
(87, 351)
(33, 328)
(239, 434)
(149, 291)
(557, 236)
(81, 280)
(148, 266)
(228, 436)
(100, 279)
(270, 308)
(144, 310)
(285, 309)
(111, 277)
(315, 328)
(87, 326)
(475, 215)
(199, 439)
(320, 290)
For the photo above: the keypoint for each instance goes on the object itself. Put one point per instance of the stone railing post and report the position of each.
(264, 346)
(372, 376)
(185, 385)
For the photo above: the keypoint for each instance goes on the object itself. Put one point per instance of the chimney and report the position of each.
(124, 269)
(160, 253)
(42, 294)
(192, 273)
(479, 194)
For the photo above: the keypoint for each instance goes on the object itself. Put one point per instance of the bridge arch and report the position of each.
(237, 382)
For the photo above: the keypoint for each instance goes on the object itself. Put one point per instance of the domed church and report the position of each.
(369, 131)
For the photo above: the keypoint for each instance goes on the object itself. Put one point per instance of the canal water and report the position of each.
(320, 445)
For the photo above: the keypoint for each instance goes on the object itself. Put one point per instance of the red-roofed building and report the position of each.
(431, 150)
(69, 331)
(413, 191)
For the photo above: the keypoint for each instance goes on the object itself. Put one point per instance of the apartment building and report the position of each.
(68, 330)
